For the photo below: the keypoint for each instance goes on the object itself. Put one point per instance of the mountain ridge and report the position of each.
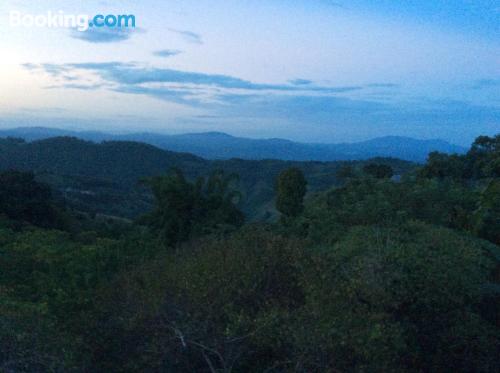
(219, 145)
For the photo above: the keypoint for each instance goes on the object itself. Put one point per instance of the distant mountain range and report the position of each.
(217, 145)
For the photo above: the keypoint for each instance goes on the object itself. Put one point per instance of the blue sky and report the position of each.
(307, 70)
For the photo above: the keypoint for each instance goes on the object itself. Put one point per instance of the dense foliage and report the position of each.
(185, 210)
(374, 275)
(25, 200)
(291, 187)
(103, 178)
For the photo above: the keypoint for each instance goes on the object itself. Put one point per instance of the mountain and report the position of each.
(217, 145)
(106, 175)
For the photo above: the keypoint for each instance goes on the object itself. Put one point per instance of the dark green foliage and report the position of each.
(484, 157)
(370, 276)
(379, 171)
(368, 202)
(478, 171)
(403, 300)
(102, 178)
(184, 210)
(345, 172)
(291, 187)
(482, 161)
(48, 281)
(25, 200)
(444, 166)
(26, 343)
(390, 299)
(488, 214)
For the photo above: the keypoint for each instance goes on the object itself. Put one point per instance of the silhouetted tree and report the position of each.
(24, 199)
(184, 209)
(379, 171)
(291, 188)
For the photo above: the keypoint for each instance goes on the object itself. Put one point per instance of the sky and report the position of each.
(305, 70)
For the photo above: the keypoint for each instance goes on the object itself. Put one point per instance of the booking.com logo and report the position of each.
(81, 22)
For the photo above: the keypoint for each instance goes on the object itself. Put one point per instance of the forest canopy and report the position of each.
(374, 273)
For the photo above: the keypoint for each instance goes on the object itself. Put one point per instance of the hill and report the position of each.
(356, 278)
(217, 145)
(105, 176)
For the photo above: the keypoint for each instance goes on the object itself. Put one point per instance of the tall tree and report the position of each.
(291, 188)
(185, 209)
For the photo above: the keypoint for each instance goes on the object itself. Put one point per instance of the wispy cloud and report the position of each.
(181, 96)
(184, 87)
(300, 82)
(167, 53)
(54, 69)
(103, 35)
(84, 87)
(382, 85)
(131, 74)
(188, 36)
(327, 111)
(43, 110)
(30, 66)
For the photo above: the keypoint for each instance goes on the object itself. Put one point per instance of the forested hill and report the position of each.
(374, 274)
(122, 163)
(105, 175)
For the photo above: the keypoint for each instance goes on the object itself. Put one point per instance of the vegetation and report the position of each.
(103, 178)
(24, 200)
(379, 171)
(375, 274)
(291, 188)
(185, 209)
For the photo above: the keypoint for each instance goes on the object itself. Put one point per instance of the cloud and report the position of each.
(166, 53)
(85, 87)
(319, 113)
(188, 36)
(193, 89)
(43, 110)
(103, 35)
(382, 85)
(130, 74)
(30, 66)
(179, 96)
(54, 70)
(300, 82)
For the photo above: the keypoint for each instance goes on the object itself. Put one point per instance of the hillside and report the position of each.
(106, 175)
(217, 145)
(355, 278)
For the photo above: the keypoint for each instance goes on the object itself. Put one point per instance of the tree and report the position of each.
(378, 171)
(482, 161)
(484, 156)
(291, 188)
(185, 209)
(25, 200)
(345, 172)
(175, 200)
(488, 213)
